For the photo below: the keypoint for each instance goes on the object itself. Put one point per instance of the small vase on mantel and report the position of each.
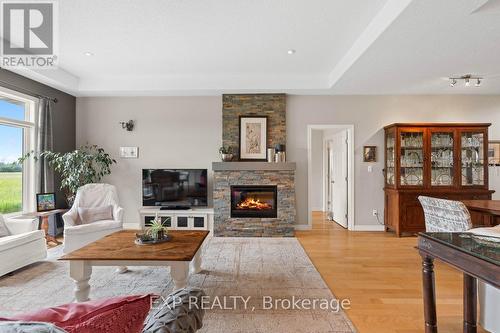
(226, 154)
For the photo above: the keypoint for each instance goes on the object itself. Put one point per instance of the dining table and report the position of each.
(476, 256)
(484, 213)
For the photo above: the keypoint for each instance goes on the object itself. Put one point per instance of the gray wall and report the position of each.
(317, 172)
(63, 116)
(370, 114)
(186, 132)
(171, 132)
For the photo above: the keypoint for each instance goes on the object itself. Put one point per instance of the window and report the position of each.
(17, 136)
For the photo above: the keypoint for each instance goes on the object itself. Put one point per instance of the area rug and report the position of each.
(252, 284)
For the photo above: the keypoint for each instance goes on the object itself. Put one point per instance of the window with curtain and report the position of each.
(17, 137)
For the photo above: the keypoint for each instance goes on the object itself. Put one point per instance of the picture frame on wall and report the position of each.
(370, 154)
(253, 138)
(494, 152)
(45, 202)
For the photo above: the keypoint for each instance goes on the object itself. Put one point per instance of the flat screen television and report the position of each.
(174, 188)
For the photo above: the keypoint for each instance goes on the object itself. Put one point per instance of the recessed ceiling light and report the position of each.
(88, 54)
(291, 51)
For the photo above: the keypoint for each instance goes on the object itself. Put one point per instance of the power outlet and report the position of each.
(375, 212)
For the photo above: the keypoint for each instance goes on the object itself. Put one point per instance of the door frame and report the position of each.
(350, 171)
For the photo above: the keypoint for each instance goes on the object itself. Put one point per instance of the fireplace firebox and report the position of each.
(254, 201)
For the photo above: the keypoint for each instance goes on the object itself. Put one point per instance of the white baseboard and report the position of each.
(368, 227)
(317, 209)
(302, 227)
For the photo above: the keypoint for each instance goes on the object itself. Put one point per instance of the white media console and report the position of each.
(190, 219)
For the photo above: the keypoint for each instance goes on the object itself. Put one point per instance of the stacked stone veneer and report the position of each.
(271, 105)
(282, 226)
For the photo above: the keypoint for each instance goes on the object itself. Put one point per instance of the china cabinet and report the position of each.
(440, 160)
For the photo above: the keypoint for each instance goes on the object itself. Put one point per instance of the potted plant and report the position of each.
(85, 165)
(157, 230)
(226, 153)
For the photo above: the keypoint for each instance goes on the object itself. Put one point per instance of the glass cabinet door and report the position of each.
(390, 162)
(472, 158)
(442, 159)
(412, 158)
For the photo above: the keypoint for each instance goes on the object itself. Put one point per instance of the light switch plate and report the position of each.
(129, 152)
(370, 168)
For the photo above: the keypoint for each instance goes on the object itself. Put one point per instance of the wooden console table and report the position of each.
(484, 212)
(477, 259)
(44, 222)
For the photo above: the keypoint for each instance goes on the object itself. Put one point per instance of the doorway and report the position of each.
(331, 173)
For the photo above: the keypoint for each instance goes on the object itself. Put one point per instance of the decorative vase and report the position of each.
(226, 157)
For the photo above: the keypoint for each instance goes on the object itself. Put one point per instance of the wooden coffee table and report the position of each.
(119, 249)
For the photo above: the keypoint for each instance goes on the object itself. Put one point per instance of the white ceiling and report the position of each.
(193, 47)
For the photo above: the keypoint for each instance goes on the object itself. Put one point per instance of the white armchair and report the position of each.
(23, 245)
(78, 233)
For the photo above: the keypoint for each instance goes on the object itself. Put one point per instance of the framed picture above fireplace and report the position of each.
(253, 138)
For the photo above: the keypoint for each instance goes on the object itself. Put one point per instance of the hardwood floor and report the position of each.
(381, 275)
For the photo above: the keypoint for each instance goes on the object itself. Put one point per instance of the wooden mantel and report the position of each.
(253, 166)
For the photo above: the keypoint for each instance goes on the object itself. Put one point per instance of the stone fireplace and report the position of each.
(249, 177)
(254, 201)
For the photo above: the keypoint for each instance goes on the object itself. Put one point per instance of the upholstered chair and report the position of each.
(452, 216)
(95, 213)
(445, 215)
(21, 243)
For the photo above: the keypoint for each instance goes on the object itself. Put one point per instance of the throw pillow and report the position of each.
(3, 228)
(28, 327)
(89, 215)
(181, 312)
(113, 315)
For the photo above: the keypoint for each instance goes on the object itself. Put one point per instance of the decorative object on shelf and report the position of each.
(370, 154)
(253, 138)
(128, 125)
(129, 152)
(271, 153)
(280, 155)
(467, 78)
(226, 153)
(85, 165)
(494, 153)
(45, 202)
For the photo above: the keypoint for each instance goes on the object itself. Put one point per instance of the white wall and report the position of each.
(171, 132)
(317, 169)
(186, 132)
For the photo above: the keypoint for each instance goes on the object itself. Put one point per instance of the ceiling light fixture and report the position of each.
(88, 54)
(467, 80)
(291, 51)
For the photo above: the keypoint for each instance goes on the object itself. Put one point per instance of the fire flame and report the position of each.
(253, 203)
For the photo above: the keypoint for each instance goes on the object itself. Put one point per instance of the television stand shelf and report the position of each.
(175, 219)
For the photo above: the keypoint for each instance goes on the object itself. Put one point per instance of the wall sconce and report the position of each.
(129, 125)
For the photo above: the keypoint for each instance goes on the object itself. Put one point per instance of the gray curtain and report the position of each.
(44, 174)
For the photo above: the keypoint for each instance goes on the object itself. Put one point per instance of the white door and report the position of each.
(338, 162)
